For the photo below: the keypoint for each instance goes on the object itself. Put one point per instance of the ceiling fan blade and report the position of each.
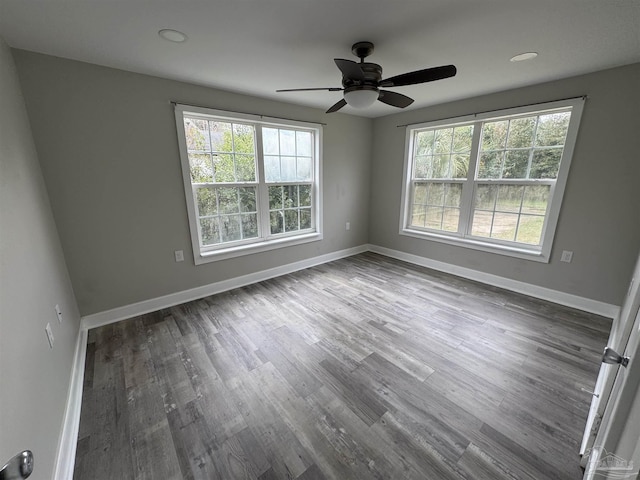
(337, 106)
(395, 99)
(420, 76)
(330, 89)
(349, 69)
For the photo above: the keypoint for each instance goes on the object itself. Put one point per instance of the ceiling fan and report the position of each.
(361, 82)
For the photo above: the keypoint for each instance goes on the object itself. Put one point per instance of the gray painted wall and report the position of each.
(599, 220)
(108, 148)
(33, 278)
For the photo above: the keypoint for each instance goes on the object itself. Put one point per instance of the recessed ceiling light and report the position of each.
(521, 57)
(172, 35)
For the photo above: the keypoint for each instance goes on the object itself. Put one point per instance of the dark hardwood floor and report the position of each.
(363, 368)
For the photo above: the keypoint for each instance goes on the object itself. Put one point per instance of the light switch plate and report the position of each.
(58, 313)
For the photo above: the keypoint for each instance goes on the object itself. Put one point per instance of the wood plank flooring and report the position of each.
(363, 368)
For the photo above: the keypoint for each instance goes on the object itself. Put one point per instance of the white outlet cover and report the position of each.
(567, 256)
(179, 255)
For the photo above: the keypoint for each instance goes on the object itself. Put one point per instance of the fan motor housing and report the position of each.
(372, 75)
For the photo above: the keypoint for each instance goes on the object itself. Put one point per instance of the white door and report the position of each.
(623, 338)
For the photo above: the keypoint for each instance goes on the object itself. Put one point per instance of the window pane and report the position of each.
(424, 142)
(230, 228)
(459, 166)
(420, 193)
(494, 135)
(441, 166)
(290, 220)
(275, 198)
(305, 195)
(272, 169)
(418, 215)
(221, 138)
(509, 198)
(276, 222)
(436, 194)
(482, 223)
(443, 140)
(515, 164)
(209, 231)
(245, 168)
(462, 137)
(521, 132)
(290, 196)
(450, 219)
(228, 200)
(535, 199)
(247, 199)
(224, 168)
(552, 129)
(452, 194)
(250, 226)
(423, 167)
(305, 218)
(197, 134)
(287, 142)
(304, 165)
(243, 138)
(207, 204)
(485, 197)
(545, 163)
(504, 226)
(434, 218)
(201, 168)
(490, 165)
(270, 143)
(530, 229)
(288, 168)
(303, 144)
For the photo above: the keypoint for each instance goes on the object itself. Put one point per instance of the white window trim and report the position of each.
(236, 250)
(540, 253)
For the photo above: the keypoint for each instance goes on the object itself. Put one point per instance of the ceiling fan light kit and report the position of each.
(361, 82)
(361, 97)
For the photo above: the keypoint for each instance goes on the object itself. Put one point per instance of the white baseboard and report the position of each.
(155, 304)
(555, 296)
(65, 460)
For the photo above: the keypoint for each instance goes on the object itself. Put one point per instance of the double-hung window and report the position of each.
(491, 181)
(251, 183)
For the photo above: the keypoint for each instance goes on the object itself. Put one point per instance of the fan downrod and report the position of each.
(362, 50)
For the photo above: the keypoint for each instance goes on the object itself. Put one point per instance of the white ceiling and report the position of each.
(258, 46)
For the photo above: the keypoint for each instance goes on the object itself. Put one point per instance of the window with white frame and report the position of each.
(492, 181)
(251, 183)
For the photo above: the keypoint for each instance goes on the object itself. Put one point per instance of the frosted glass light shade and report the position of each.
(361, 98)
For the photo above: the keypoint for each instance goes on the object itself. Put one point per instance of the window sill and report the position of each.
(511, 251)
(241, 250)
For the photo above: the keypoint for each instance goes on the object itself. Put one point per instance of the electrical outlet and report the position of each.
(567, 256)
(58, 313)
(49, 334)
(348, 226)
(179, 254)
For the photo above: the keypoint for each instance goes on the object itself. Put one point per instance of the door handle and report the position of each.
(611, 356)
(18, 467)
